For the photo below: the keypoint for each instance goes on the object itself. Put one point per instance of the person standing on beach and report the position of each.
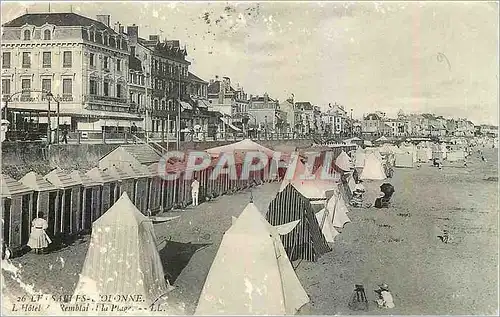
(195, 188)
(39, 240)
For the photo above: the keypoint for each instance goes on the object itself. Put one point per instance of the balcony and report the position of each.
(105, 100)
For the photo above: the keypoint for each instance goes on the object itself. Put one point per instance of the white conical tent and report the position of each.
(251, 273)
(314, 188)
(337, 207)
(373, 169)
(359, 158)
(343, 161)
(325, 220)
(122, 258)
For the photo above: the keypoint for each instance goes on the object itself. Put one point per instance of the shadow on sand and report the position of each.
(175, 256)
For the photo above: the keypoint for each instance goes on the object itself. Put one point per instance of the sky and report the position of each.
(437, 57)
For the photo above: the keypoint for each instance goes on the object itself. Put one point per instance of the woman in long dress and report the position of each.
(39, 239)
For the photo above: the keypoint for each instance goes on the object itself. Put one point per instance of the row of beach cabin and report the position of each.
(72, 201)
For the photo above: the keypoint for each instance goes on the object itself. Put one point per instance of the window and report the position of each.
(46, 35)
(67, 59)
(26, 59)
(5, 86)
(106, 89)
(92, 57)
(118, 64)
(47, 59)
(26, 86)
(118, 91)
(6, 60)
(46, 85)
(67, 87)
(27, 35)
(93, 87)
(106, 62)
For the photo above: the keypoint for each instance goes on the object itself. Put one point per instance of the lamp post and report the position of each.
(352, 125)
(49, 130)
(178, 121)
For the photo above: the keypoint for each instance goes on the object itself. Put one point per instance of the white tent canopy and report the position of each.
(314, 188)
(325, 220)
(373, 169)
(122, 258)
(337, 208)
(257, 279)
(343, 161)
(244, 145)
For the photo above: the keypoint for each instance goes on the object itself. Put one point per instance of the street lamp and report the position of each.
(49, 130)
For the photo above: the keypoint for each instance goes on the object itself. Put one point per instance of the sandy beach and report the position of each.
(398, 246)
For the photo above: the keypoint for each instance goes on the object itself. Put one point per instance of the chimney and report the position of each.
(121, 29)
(211, 81)
(154, 37)
(104, 19)
(227, 83)
(216, 77)
(133, 33)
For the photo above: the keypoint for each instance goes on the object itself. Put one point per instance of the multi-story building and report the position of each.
(224, 99)
(307, 116)
(198, 92)
(82, 62)
(373, 124)
(290, 115)
(139, 87)
(265, 111)
(168, 71)
(336, 120)
(488, 130)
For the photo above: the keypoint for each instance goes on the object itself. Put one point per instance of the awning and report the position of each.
(235, 128)
(114, 123)
(202, 104)
(185, 105)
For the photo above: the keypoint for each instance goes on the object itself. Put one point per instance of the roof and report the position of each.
(305, 105)
(372, 116)
(100, 176)
(143, 153)
(10, 187)
(139, 171)
(117, 173)
(37, 182)
(58, 19)
(60, 179)
(84, 179)
(193, 77)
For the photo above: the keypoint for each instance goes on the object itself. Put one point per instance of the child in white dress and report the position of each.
(39, 239)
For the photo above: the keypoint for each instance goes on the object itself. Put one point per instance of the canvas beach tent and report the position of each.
(122, 258)
(305, 241)
(325, 220)
(255, 280)
(246, 145)
(403, 160)
(343, 161)
(373, 169)
(314, 188)
(338, 210)
(359, 158)
(458, 155)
